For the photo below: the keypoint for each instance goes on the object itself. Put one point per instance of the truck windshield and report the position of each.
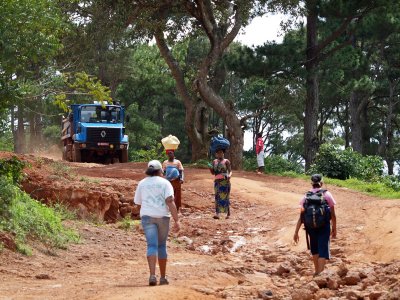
(98, 114)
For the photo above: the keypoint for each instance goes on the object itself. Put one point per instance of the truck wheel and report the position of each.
(124, 156)
(76, 154)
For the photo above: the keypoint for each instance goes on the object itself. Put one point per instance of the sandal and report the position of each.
(216, 217)
(153, 280)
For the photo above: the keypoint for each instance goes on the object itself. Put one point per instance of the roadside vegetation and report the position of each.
(25, 218)
(344, 168)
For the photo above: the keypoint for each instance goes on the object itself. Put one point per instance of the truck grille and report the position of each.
(103, 135)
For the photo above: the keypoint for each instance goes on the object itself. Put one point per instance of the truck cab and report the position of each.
(95, 133)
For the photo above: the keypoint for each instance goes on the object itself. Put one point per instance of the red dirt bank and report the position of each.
(248, 256)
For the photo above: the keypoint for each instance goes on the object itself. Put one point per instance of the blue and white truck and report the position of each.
(95, 133)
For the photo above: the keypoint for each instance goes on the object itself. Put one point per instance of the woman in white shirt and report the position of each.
(155, 196)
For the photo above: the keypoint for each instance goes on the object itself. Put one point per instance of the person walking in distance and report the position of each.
(221, 168)
(260, 153)
(155, 196)
(317, 211)
(173, 171)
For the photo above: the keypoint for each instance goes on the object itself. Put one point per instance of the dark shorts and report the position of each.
(319, 241)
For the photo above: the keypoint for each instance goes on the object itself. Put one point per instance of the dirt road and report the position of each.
(248, 256)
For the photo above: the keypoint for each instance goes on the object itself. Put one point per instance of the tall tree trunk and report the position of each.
(227, 113)
(39, 128)
(312, 101)
(346, 126)
(385, 145)
(14, 132)
(32, 140)
(389, 156)
(196, 126)
(359, 122)
(19, 141)
(197, 112)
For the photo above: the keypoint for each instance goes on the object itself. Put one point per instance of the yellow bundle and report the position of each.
(170, 142)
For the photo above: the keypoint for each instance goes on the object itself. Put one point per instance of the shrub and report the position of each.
(6, 141)
(276, 164)
(12, 168)
(201, 164)
(330, 162)
(153, 152)
(392, 182)
(7, 193)
(343, 164)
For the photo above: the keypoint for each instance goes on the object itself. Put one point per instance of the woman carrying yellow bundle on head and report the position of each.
(172, 167)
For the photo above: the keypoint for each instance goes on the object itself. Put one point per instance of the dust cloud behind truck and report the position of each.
(95, 133)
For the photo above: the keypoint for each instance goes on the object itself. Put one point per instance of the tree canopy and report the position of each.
(334, 78)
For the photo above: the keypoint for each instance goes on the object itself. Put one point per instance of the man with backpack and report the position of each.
(317, 210)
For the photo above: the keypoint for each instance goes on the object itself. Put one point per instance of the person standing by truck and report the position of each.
(173, 172)
(155, 196)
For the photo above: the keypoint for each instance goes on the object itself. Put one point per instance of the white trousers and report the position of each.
(260, 159)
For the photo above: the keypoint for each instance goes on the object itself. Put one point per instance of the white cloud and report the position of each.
(261, 30)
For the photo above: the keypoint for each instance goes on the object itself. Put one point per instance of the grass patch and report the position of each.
(64, 212)
(89, 180)
(61, 169)
(27, 218)
(127, 223)
(200, 164)
(377, 189)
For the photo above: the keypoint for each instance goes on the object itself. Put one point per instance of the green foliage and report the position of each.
(30, 38)
(201, 164)
(24, 249)
(275, 164)
(331, 162)
(30, 218)
(25, 217)
(377, 189)
(7, 193)
(278, 164)
(143, 133)
(64, 211)
(52, 134)
(83, 88)
(152, 152)
(152, 104)
(61, 169)
(127, 223)
(12, 169)
(6, 141)
(392, 182)
(343, 164)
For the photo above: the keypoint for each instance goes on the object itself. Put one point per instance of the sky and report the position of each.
(259, 31)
